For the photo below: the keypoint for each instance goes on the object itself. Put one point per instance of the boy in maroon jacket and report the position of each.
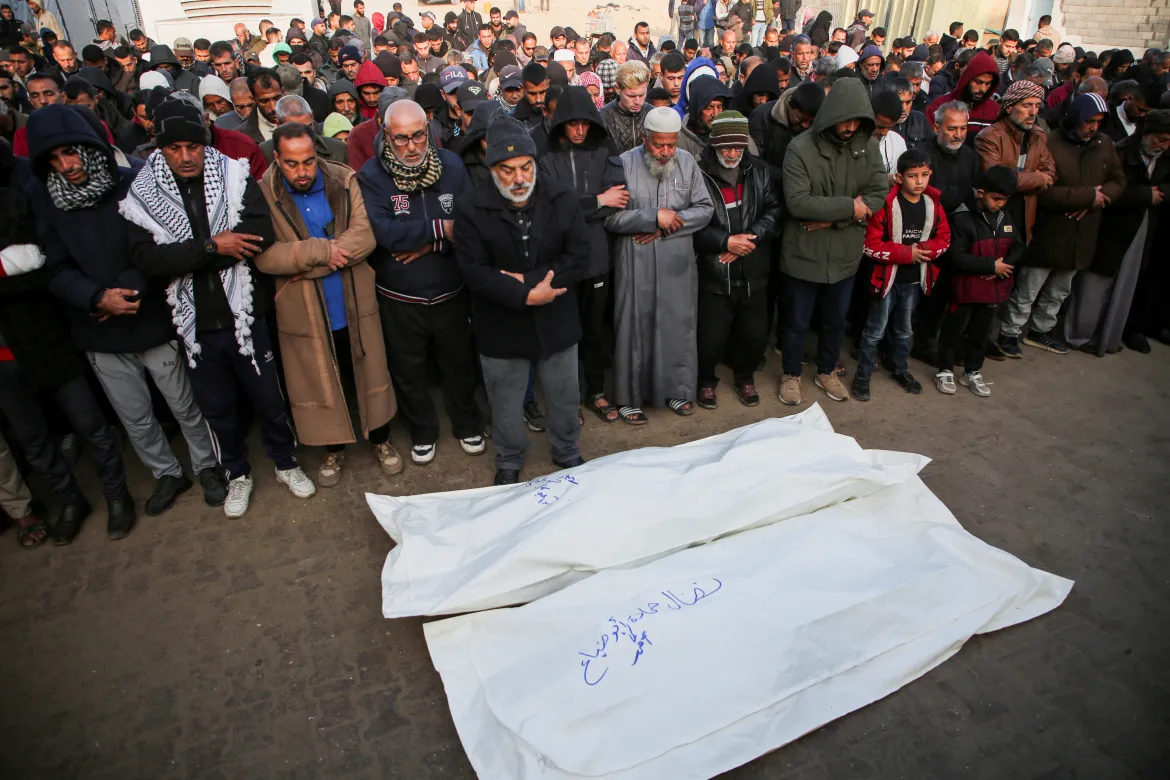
(986, 249)
(903, 239)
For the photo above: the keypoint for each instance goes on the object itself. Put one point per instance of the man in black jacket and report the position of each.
(734, 260)
(954, 169)
(581, 152)
(469, 23)
(778, 122)
(912, 126)
(118, 318)
(218, 300)
(519, 243)
(410, 188)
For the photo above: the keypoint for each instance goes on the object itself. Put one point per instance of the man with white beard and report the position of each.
(655, 277)
(521, 242)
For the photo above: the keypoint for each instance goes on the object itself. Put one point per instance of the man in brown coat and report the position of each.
(1014, 142)
(326, 308)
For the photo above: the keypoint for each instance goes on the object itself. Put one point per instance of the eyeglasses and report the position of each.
(402, 141)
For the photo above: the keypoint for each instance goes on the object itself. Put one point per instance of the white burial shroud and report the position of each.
(492, 547)
(697, 662)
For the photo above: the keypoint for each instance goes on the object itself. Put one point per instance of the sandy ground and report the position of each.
(206, 648)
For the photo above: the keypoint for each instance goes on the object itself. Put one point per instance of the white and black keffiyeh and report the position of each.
(69, 197)
(154, 204)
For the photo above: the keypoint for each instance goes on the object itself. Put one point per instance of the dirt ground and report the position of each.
(205, 648)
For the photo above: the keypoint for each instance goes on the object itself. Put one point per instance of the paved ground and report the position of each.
(201, 648)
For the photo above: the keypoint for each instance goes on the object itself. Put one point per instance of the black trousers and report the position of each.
(732, 329)
(929, 315)
(28, 423)
(415, 333)
(596, 349)
(968, 325)
(344, 352)
(219, 370)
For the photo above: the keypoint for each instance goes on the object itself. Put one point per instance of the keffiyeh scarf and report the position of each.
(155, 204)
(412, 178)
(69, 197)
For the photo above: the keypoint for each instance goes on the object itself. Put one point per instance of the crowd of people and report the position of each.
(307, 230)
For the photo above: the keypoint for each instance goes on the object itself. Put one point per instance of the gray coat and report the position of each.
(656, 285)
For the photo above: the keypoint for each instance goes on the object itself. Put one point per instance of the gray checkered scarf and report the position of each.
(70, 197)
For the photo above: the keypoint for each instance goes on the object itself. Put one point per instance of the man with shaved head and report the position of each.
(410, 192)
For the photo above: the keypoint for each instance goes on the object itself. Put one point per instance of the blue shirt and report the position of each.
(315, 211)
(479, 58)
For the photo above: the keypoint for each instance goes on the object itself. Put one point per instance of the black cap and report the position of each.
(177, 120)
(470, 94)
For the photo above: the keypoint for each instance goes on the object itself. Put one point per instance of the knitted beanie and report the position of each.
(729, 128)
(507, 138)
(177, 120)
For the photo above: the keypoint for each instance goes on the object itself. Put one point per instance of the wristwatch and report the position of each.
(210, 247)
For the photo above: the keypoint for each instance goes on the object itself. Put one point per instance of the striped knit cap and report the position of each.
(729, 128)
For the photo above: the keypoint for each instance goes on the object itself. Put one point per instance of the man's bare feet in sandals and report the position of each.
(31, 531)
(600, 405)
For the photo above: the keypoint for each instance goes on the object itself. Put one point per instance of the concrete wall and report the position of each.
(1114, 24)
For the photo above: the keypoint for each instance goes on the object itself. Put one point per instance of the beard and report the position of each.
(513, 194)
(1147, 148)
(725, 163)
(660, 170)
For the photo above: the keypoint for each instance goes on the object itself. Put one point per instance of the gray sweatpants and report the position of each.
(123, 376)
(507, 379)
(1037, 297)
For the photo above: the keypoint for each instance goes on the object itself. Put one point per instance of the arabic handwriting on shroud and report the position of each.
(623, 640)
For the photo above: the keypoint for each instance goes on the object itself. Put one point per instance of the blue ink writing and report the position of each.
(550, 490)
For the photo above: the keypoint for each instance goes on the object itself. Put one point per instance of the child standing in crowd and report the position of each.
(903, 240)
(986, 250)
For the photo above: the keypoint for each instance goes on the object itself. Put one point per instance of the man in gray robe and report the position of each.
(656, 280)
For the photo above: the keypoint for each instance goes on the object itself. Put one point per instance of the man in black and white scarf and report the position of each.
(197, 218)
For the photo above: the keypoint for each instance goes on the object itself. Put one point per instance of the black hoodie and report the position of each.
(591, 167)
(702, 91)
(764, 79)
(467, 146)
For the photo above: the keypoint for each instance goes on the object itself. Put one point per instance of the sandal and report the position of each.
(607, 412)
(680, 407)
(633, 415)
(24, 534)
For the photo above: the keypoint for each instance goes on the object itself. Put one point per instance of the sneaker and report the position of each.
(422, 454)
(166, 491)
(1009, 347)
(908, 382)
(388, 459)
(748, 395)
(473, 445)
(832, 386)
(944, 382)
(974, 382)
(1045, 341)
(297, 481)
(707, 398)
(329, 474)
(214, 486)
(860, 389)
(238, 497)
(1137, 342)
(790, 390)
(533, 417)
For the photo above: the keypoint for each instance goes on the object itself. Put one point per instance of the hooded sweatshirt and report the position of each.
(871, 51)
(764, 79)
(185, 79)
(822, 176)
(345, 85)
(467, 145)
(591, 167)
(704, 89)
(986, 111)
(699, 66)
(368, 74)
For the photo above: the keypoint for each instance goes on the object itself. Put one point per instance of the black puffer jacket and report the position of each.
(759, 213)
(915, 130)
(591, 167)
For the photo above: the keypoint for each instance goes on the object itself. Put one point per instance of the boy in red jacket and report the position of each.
(903, 240)
(986, 252)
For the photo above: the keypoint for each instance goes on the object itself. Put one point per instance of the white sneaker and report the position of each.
(298, 482)
(422, 454)
(974, 382)
(473, 445)
(238, 497)
(944, 382)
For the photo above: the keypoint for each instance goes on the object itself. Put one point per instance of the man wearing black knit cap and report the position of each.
(520, 312)
(196, 218)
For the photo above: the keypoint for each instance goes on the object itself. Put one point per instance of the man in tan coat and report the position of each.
(326, 308)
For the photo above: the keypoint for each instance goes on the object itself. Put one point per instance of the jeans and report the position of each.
(506, 379)
(758, 29)
(798, 298)
(1036, 300)
(708, 36)
(897, 309)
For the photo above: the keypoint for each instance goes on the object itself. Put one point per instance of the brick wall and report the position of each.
(1111, 24)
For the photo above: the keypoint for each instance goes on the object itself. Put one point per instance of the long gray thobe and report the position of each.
(656, 284)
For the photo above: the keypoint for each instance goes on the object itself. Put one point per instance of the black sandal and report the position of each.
(25, 532)
(605, 411)
(680, 407)
(633, 415)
